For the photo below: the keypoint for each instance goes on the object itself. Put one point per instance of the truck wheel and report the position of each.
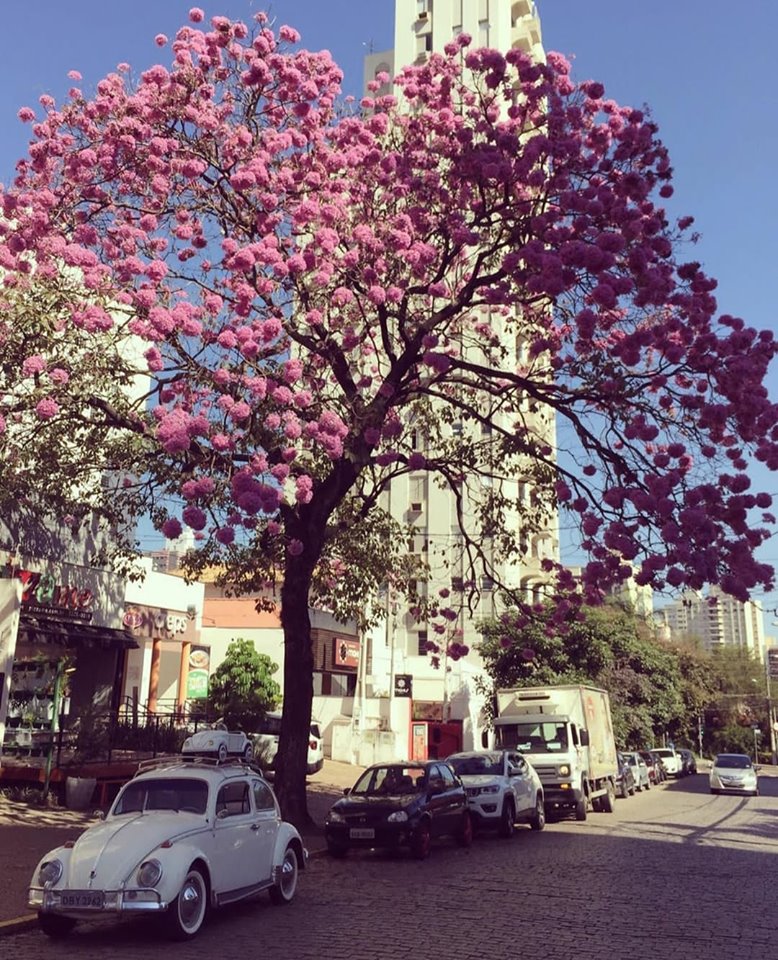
(507, 819)
(608, 802)
(582, 807)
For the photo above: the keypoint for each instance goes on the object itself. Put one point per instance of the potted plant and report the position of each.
(90, 743)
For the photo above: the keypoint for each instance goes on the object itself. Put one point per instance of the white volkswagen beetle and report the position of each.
(217, 741)
(182, 836)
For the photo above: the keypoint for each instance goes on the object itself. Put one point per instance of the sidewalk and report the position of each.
(27, 833)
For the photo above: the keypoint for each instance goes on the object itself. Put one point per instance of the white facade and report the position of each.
(717, 621)
(398, 647)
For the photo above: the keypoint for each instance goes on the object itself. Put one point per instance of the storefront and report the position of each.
(170, 667)
(69, 640)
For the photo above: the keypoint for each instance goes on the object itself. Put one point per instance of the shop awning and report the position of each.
(71, 633)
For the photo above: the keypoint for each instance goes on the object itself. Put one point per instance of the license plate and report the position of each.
(82, 899)
(362, 833)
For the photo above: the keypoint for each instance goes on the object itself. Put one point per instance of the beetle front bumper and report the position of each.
(96, 903)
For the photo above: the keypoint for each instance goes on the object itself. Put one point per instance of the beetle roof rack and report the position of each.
(194, 760)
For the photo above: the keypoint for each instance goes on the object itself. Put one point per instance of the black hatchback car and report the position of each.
(400, 805)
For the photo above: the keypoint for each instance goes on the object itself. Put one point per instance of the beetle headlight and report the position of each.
(149, 873)
(564, 770)
(50, 872)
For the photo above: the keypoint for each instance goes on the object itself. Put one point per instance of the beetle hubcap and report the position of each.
(289, 874)
(190, 903)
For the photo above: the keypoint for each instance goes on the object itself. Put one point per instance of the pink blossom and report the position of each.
(196, 15)
(194, 517)
(225, 535)
(34, 364)
(47, 408)
(172, 529)
(160, 40)
(59, 376)
(26, 115)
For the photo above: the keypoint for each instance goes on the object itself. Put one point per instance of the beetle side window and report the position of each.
(233, 799)
(263, 797)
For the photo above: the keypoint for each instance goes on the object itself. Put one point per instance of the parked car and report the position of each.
(216, 740)
(625, 781)
(502, 789)
(734, 773)
(266, 743)
(639, 770)
(656, 770)
(400, 805)
(688, 761)
(181, 837)
(670, 761)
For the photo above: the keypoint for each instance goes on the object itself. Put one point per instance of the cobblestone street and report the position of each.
(674, 873)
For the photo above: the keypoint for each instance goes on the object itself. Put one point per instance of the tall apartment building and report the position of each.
(422, 27)
(717, 621)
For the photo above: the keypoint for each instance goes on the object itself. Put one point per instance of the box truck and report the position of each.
(567, 735)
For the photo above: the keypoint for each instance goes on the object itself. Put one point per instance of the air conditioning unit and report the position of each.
(423, 15)
(416, 507)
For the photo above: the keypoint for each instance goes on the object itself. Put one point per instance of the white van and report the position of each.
(266, 743)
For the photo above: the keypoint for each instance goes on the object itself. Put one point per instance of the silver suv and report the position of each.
(266, 743)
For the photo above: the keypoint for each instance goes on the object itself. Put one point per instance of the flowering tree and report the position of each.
(313, 286)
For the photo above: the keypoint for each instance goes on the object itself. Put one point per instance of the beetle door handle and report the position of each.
(255, 826)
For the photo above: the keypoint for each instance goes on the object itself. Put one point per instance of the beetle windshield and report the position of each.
(163, 793)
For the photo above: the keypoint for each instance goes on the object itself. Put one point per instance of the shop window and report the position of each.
(421, 643)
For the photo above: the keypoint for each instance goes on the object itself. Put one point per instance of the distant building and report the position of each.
(716, 620)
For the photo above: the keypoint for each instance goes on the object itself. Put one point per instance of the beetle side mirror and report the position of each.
(99, 814)
(346, 791)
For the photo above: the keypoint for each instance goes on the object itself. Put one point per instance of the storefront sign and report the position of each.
(10, 605)
(346, 653)
(145, 623)
(772, 663)
(199, 670)
(403, 685)
(427, 710)
(42, 596)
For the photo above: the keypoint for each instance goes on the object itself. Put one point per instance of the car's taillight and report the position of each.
(312, 744)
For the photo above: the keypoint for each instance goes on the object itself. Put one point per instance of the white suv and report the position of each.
(670, 760)
(266, 743)
(502, 789)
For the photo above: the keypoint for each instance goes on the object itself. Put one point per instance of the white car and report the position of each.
(639, 770)
(734, 773)
(670, 760)
(266, 743)
(216, 740)
(181, 837)
(502, 789)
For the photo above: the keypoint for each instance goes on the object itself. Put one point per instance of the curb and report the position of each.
(8, 928)
(18, 925)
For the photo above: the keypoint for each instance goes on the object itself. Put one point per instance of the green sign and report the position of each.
(197, 685)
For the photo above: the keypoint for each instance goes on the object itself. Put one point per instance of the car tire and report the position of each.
(221, 752)
(538, 819)
(507, 819)
(421, 841)
(283, 892)
(582, 807)
(596, 805)
(248, 753)
(608, 802)
(713, 791)
(465, 832)
(186, 913)
(624, 791)
(648, 784)
(632, 790)
(55, 926)
(337, 850)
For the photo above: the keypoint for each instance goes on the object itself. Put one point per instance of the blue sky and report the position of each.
(705, 67)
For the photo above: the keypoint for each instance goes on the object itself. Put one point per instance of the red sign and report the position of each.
(42, 595)
(346, 653)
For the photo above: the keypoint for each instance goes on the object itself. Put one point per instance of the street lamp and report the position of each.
(757, 735)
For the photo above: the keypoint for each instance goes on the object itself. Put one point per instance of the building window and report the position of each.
(421, 643)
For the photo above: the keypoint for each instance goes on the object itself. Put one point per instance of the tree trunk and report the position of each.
(292, 756)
